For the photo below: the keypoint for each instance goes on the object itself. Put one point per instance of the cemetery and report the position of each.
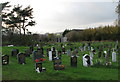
(59, 40)
(53, 63)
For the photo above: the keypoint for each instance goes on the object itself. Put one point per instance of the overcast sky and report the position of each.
(57, 15)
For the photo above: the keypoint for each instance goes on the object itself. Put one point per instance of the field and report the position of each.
(15, 71)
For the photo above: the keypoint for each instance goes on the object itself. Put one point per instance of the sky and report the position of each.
(53, 16)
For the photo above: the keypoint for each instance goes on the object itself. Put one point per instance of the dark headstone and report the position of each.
(37, 54)
(59, 54)
(5, 60)
(53, 54)
(38, 66)
(63, 50)
(74, 61)
(14, 52)
(27, 53)
(21, 58)
(57, 64)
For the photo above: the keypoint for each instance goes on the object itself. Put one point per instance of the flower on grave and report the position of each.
(41, 59)
(36, 60)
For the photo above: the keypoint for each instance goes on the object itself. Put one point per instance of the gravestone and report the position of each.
(37, 54)
(50, 55)
(74, 61)
(107, 58)
(14, 52)
(38, 67)
(68, 52)
(53, 54)
(5, 59)
(87, 60)
(21, 58)
(113, 56)
(27, 53)
(57, 64)
(59, 54)
(89, 46)
(63, 50)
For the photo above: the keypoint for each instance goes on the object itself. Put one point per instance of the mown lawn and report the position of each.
(15, 71)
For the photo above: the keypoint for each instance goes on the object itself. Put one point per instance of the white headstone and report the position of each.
(113, 56)
(85, 61)
(50, 55)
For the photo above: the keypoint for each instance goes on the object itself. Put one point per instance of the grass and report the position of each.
(15, 71)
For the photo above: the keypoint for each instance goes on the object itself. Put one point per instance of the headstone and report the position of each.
(87, 60)
(53, 54)
(68, 52)
(74, 61)
(59, 54)
(38, 67)
(21, 58)
(107, 58)
(27, 53)
(5, 59)
(37, 54)
(50, 55)
(14, 52)
(113, 56)
(89, 46)
(63, 50)
(57, 64)
(85, 48)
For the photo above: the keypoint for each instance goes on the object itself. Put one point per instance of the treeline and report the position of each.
(96, 34)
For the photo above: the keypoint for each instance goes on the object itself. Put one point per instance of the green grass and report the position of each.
(15, 71)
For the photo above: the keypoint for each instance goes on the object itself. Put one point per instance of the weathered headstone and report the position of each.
(21, 58)
(5, 59)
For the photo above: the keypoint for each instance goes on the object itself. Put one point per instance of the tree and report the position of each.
(20, 19)
(118, 11)
(65, 32)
